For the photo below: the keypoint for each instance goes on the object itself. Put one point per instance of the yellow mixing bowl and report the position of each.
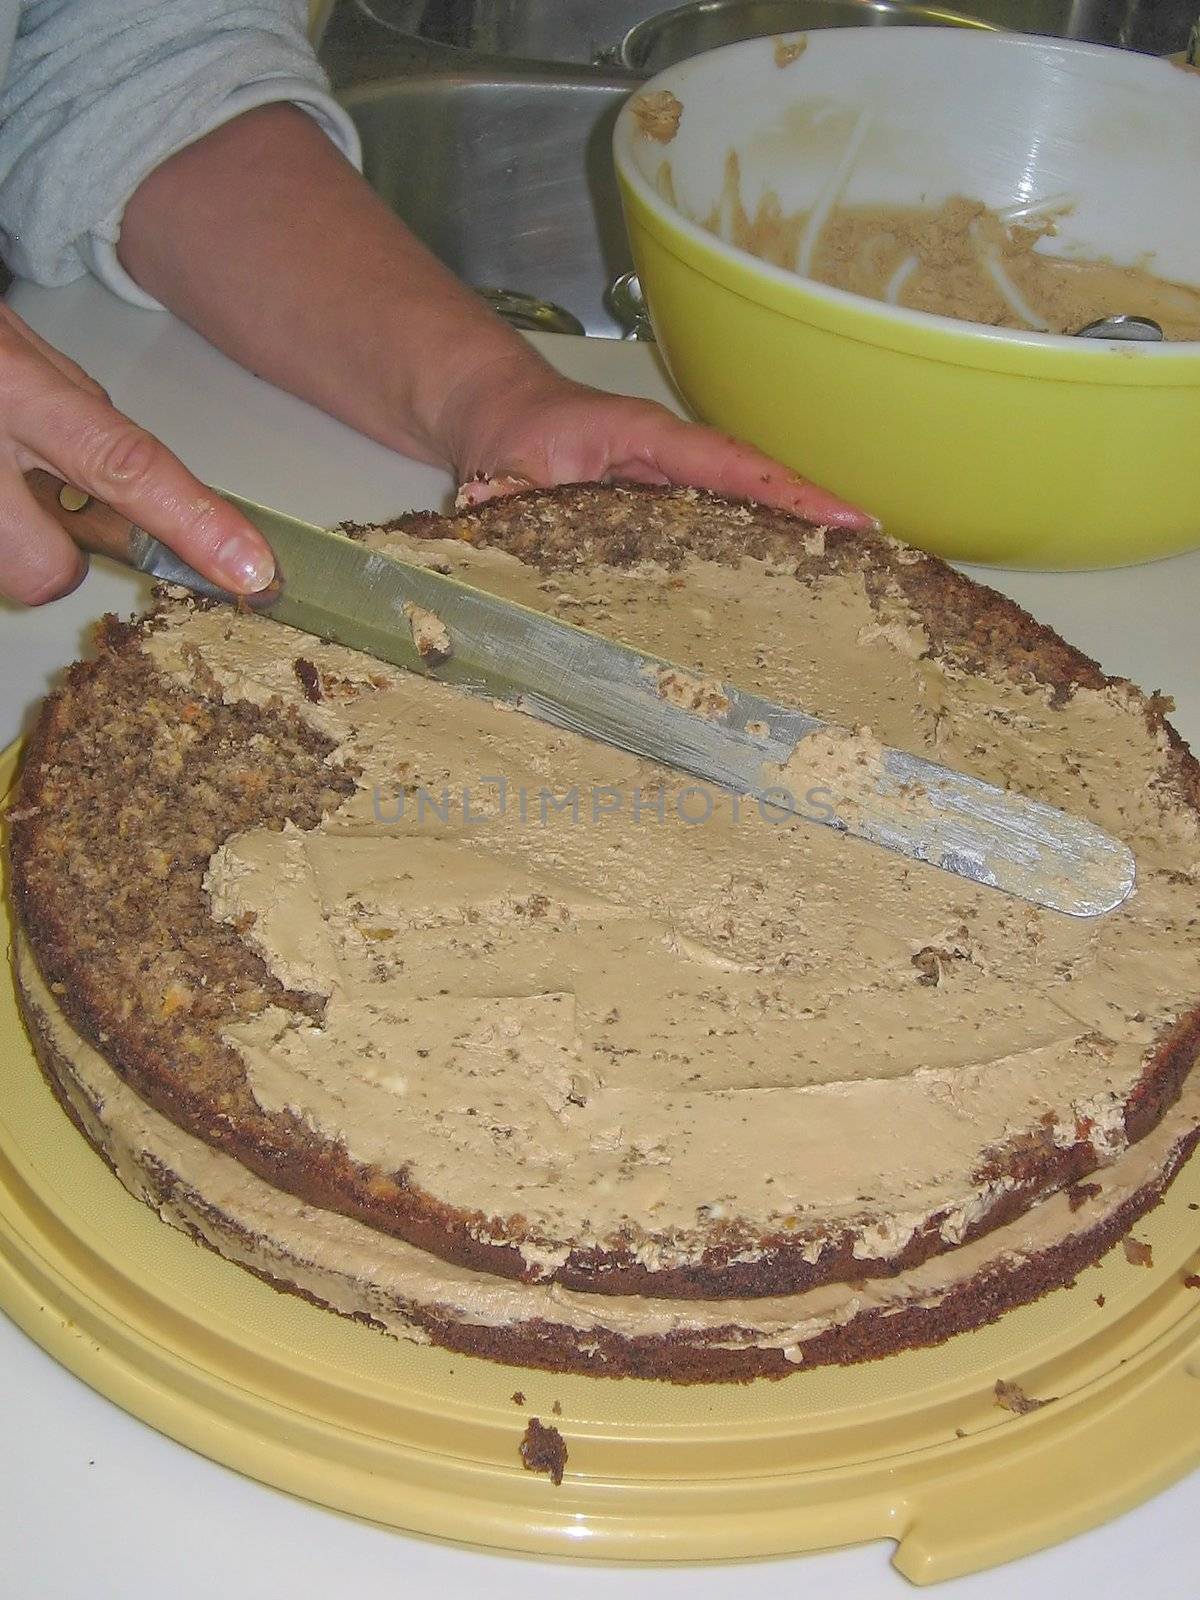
(983, 444)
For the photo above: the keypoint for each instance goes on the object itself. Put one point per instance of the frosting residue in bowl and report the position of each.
(961, 259)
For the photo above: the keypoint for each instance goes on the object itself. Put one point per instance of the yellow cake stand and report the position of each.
(912, 1448)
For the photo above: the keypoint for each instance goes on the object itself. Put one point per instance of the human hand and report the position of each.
(53, 416)
(549, 430)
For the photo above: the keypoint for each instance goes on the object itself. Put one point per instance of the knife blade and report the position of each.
(330, 586)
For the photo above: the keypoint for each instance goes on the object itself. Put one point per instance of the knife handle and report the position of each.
(94, 526)
(88, 522)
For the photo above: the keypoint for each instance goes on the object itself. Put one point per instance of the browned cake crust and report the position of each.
(131, 782)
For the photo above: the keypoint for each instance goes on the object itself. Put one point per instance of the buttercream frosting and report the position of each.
(587, 1002)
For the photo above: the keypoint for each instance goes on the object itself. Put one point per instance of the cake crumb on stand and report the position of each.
(543, 1449)
(1013, 1398)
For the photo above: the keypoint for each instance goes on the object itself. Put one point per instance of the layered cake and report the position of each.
(499, 1038)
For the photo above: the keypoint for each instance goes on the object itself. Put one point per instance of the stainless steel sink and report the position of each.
(508, 176)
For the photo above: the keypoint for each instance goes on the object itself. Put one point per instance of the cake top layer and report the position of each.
(548, 1011)
(597, 1008)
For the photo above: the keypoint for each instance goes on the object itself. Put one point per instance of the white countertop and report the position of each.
(97, 1504)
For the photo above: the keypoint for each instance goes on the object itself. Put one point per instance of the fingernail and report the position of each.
(246, 563)
(855, 521)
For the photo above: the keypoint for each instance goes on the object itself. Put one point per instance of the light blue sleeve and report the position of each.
(99, 92)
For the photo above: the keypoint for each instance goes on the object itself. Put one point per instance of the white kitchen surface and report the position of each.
(94, 1503)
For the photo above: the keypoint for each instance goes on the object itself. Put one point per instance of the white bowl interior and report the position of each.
(1004, 119)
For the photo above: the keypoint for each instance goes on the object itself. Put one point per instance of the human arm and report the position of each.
(264, 238)
(351, 312)
(96, 95)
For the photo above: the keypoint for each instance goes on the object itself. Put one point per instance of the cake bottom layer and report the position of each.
(354, 1270)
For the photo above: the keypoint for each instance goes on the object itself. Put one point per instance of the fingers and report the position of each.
(37, 560)
(581, 435)
(83, 439)
(61, 363)
(790, 492)
(107, 455)
(53, 416)
(481, 488)
(686, 453)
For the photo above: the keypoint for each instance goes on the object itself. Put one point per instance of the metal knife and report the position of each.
(328, 585)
